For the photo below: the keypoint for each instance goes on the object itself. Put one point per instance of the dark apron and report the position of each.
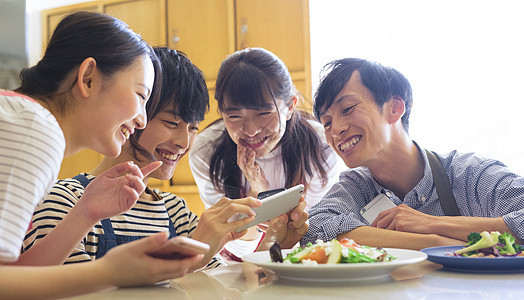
(109, 239)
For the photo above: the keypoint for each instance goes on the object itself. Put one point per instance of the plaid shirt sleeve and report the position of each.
(339, 210)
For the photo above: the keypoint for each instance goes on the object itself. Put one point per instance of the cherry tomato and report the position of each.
(318, 254)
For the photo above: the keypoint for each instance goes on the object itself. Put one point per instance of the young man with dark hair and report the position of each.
(364, 108)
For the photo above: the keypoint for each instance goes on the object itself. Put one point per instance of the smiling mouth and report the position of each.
(254, 143)
(349, 143)
(169, 156)
(125, 132)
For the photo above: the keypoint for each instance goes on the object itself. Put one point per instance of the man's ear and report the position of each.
(292, 106)
(86, 76)
(396, 109)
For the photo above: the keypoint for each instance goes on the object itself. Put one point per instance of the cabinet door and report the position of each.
(83, 161)
(305, 102)
(146, 17)
(51, 18)
(276, 25)
(204, 30)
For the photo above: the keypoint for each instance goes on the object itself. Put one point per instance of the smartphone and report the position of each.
(179, 247)
(379, 204)
(274, 205)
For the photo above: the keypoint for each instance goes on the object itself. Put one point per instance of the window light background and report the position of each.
(463, 58)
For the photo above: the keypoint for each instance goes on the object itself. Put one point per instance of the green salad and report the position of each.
(490, 244)
(332, 252)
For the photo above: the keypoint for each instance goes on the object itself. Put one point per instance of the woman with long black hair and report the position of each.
(262, 141)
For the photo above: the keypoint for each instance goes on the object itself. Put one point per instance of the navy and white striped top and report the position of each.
(145, 218)
(32, 147)
(482, 188)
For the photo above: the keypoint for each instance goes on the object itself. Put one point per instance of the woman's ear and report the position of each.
(396, 109)
(292, 106)
(86, 76)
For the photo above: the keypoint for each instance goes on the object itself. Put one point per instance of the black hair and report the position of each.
(383, 82)
(184, 89)
(79, 36)
(249, 79)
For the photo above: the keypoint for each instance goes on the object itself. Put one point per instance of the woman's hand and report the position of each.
(214, 227)
(251, 170)
(287, 229)
(114, 191)
(130, 265)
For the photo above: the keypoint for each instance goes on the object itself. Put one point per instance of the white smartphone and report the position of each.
(274, 205)
(379, 204)
(179, 247)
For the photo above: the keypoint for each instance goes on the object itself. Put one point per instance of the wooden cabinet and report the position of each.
(282, 27)
(147, 17)
(275, 25)
(207, 31)
(51, 18)
(204, 30)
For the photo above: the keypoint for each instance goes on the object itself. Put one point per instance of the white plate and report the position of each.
(358, 272)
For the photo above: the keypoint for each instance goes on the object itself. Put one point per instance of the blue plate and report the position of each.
(444, 256)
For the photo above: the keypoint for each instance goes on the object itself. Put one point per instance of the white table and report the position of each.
(424, 280)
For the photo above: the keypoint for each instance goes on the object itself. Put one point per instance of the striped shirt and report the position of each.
(146, 218)
(482, 188)
(32, 147)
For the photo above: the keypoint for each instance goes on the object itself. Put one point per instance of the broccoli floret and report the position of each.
(473, 238)
(487, 240)
(508, 244)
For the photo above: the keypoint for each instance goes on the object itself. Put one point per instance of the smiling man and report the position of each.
(364, 108)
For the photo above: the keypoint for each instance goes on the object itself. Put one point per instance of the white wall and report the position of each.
(464, 59)
(11, 30)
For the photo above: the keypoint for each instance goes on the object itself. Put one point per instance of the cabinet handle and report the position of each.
(176, 38)
(243, 33)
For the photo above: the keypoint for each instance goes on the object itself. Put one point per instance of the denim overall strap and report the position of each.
(109, 239)
(84, 181)
(172, 232)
